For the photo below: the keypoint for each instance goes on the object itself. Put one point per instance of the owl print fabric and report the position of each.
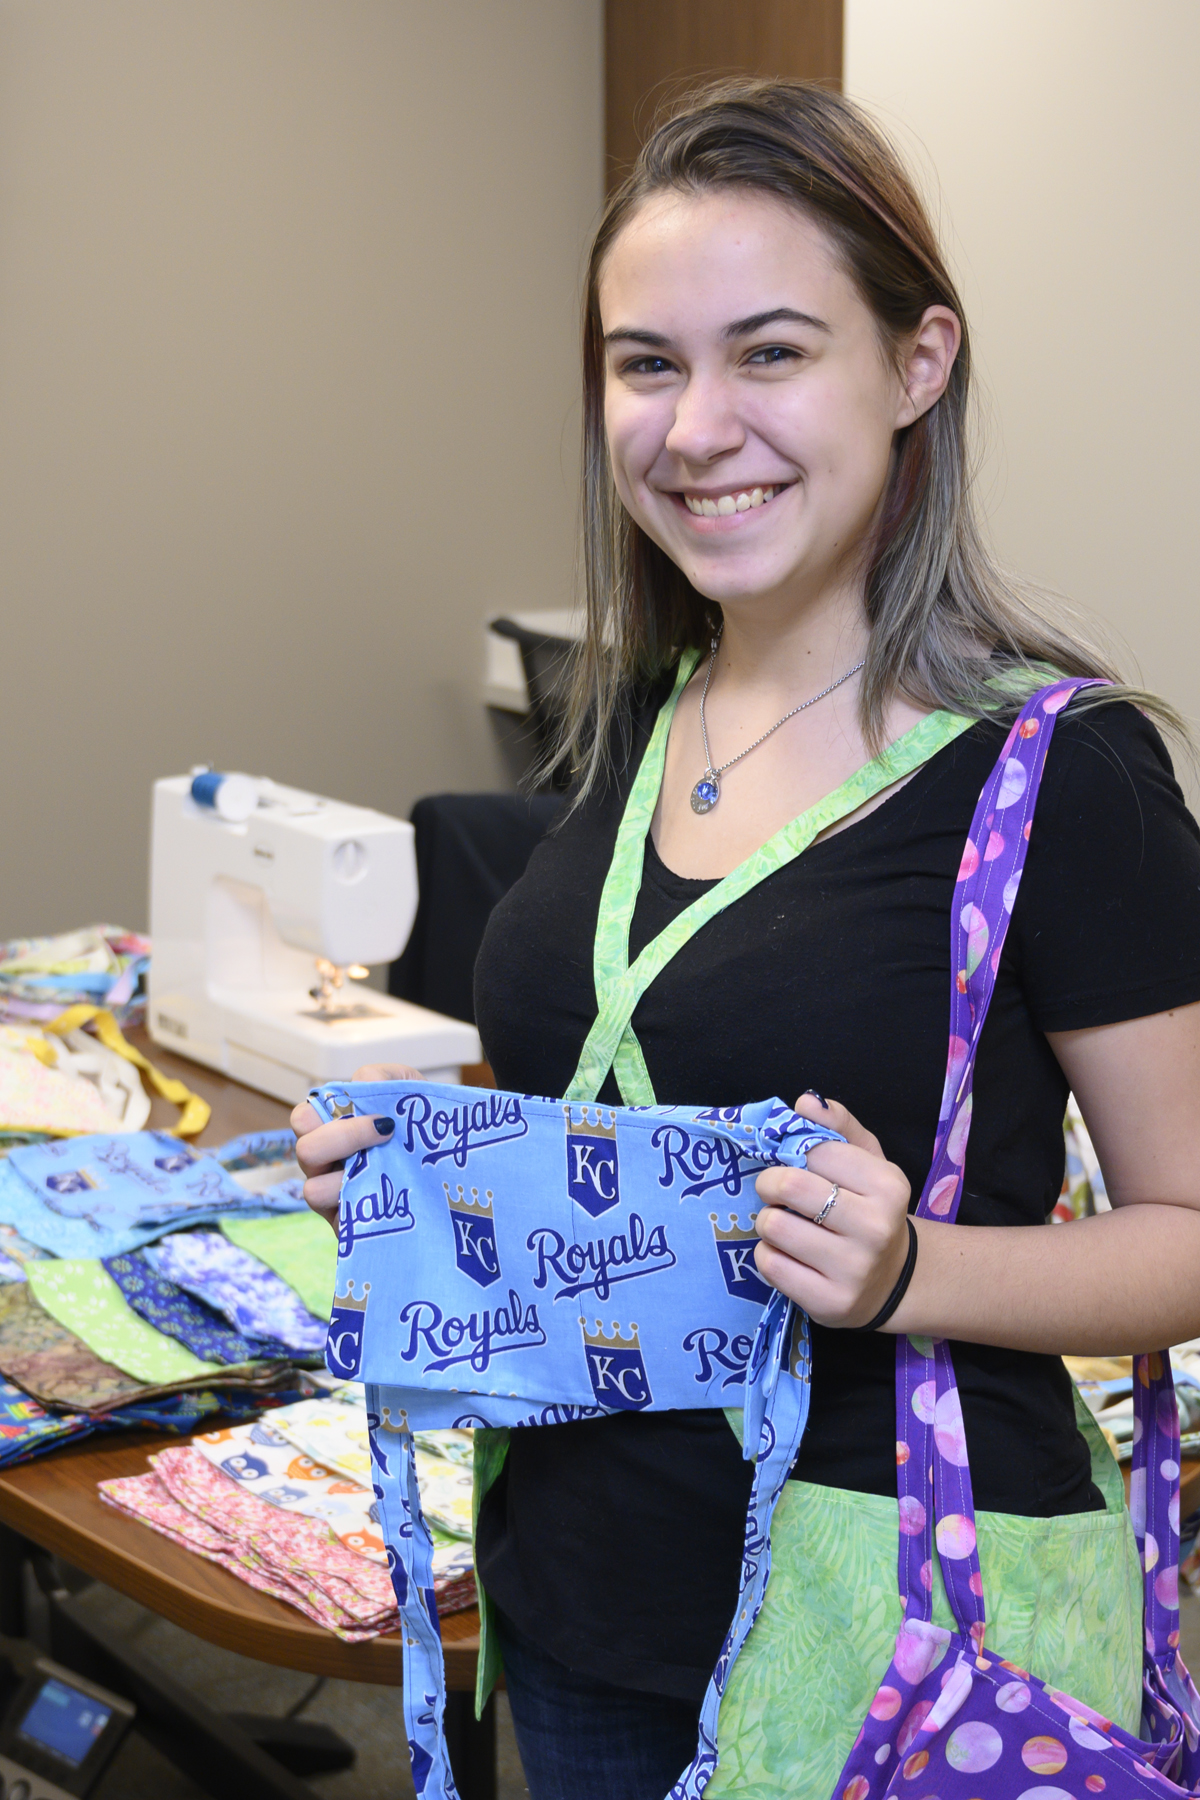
(267, 1463)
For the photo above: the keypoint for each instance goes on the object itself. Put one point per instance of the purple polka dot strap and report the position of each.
(950, 1718)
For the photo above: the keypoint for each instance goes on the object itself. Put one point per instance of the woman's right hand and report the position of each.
(321, 1150)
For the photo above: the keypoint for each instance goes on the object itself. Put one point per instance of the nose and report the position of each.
(706, 426)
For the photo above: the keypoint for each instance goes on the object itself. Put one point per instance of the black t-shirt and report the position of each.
(616, 1543)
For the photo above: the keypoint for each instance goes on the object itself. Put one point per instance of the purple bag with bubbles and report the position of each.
(950, 1720)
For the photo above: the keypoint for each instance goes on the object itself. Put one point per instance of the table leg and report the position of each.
(13, 1551)
(472, 1746)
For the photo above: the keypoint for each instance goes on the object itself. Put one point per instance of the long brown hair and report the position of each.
(948, 628)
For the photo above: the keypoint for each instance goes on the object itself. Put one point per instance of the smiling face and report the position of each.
(749, 404)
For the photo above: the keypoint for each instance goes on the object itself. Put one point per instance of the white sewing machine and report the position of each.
(258, 919)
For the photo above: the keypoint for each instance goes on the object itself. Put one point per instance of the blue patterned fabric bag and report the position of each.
(508, 1261)
(107, 1195)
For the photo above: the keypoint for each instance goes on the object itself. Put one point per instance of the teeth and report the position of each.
(728, 503)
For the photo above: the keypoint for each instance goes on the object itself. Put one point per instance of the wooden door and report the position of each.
(656, 49)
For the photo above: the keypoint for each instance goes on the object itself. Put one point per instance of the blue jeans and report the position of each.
(584, 1739)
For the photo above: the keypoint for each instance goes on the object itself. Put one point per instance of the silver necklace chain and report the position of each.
(707, 790)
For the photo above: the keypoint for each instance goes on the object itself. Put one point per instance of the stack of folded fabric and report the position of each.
(254, 1498)
(278, 1551)
(27, 1429)
(55, 1077)
(62, 1370)
(266, 1460)
(110, 1311)
(100, 964)
(330, 1432)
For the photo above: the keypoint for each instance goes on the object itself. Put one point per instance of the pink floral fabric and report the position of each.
(281, 1553)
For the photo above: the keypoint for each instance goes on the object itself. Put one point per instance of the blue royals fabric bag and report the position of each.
(508, 1261)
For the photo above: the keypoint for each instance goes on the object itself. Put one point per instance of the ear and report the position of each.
(928, 362)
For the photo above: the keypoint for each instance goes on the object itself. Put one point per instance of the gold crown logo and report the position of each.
(347, 1299)
(341, 1109)
(584, 1124)
(601, 1340)
(470, 1205)
(737, 1233)
(386, 1423)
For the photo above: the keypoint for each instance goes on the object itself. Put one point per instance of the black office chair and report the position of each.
(470, 849)
(546, 663)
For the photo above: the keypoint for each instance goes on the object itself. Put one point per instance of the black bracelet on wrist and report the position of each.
(901, 1288)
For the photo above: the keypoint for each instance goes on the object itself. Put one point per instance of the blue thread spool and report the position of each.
(231, 797)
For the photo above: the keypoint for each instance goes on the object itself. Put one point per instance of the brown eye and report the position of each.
(773, 356)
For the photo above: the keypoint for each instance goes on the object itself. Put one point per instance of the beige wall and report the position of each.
(287, 398)
(1064, 137)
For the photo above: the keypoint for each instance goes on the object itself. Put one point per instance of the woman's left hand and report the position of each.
(843, 1270)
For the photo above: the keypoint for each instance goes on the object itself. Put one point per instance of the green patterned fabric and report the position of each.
(611, 1042)
(299, 1247)
(1064, 1598)
(82, 1295)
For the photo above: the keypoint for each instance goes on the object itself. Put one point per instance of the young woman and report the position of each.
(776, 378)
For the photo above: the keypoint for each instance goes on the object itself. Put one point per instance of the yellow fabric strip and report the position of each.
(195, 1112)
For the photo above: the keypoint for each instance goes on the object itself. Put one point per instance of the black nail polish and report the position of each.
(818, 1097)
(385, 1127)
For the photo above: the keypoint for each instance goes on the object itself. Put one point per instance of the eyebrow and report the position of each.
(778, 315)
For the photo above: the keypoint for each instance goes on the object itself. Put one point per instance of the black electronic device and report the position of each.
(58, 1735)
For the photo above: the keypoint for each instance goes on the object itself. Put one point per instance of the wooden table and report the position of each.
(53, 1501)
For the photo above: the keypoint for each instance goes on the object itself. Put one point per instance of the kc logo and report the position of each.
(474, 1234)
(343, 1347)
(592, 1176)
(735, 1252)
(75, 1181)
(175, 1163)
(615, 1367)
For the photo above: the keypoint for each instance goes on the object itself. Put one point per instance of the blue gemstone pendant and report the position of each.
(705, 794)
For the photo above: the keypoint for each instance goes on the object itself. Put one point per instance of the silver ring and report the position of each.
(828, 1206)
